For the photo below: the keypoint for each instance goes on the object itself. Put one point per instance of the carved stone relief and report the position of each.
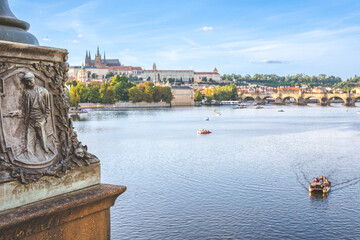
(36, 134)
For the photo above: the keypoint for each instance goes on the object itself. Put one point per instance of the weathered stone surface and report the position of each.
(52, 126)
(40, 155)
(84, 214)
(14, 194)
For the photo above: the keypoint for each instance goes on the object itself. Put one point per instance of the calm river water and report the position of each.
(246, 180)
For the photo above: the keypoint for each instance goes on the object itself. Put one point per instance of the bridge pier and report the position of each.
(301, 101)
(350, 102)
(279, 101)
(259, 101)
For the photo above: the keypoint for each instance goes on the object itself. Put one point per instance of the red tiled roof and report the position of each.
(126, 68)
(136, 68)
(215, 73)
(168, 70)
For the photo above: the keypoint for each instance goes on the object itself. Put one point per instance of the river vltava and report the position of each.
(246, 180)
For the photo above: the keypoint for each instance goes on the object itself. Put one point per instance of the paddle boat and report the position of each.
(320, 185)
(203, 131)
(281, 110)
(206, 118)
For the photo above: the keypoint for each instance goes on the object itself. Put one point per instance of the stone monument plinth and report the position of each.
(49, 181)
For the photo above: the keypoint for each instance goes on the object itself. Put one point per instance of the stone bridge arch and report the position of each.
(265, 97)
(344, 98)
(289, 97)
(307, 98)
(249, 98)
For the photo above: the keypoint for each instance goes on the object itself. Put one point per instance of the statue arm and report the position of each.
(47, 104)
(18, 113)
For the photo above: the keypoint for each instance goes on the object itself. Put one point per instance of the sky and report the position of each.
(236, 36)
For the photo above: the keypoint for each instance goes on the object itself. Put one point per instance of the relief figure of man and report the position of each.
(35, 110)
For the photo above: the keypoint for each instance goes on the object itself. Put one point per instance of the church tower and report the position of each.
(87, 59)
(97, 62)
(154, 68)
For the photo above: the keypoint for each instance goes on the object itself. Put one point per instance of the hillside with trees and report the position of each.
(118, 88)
(273, 80)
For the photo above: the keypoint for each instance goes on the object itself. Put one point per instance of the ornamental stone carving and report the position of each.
(36, 134)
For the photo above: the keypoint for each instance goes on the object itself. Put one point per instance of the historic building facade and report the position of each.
(202, 76)
(99, 62)
(156, 75)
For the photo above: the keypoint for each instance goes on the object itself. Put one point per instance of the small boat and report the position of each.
(206, 118)
(242, 105)
(203, 131)
(218, 114)
(358, 112)
(259, 107)
(321, 185)
(76, 110)
(281, 110)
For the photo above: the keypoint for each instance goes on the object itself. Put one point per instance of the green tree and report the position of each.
(107, 94)
(135, 94)
(94, 76)
(84, 92)
(166, 94)
(198, 96)
(149, 91)
(209, 94)
(109, 75)
(94, 93)
(74, 96)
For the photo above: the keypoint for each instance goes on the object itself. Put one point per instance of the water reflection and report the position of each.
(318, 195)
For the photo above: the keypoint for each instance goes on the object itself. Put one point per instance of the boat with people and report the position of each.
(242, 105)
(206, 118)
(320, 185)
(203, 131)
(259, 107)
(281, 110)
(74, 110)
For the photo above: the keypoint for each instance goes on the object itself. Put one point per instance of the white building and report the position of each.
(202, 76)
(102, 72)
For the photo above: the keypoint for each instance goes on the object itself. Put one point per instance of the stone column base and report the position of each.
(82, 214)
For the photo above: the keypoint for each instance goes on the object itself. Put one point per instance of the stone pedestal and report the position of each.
(81, 215)
(49, 182)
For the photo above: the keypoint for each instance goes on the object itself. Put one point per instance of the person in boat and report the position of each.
(325, 180)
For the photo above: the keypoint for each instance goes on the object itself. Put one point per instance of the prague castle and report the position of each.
(98, 62)
(99, 68)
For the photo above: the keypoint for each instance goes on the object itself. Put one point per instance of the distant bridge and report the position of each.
(300, 98)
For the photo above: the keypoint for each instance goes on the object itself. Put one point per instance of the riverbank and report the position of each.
(126, 105)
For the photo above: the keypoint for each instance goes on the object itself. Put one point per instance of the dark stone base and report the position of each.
(83, 214)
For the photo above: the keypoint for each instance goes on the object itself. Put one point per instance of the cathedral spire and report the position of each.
(104, 55)
(98, 51)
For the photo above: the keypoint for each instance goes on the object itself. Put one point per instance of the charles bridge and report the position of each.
(302, 98)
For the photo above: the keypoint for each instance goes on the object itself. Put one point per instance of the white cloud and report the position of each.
(265, 61)
(76, 41)
(206, 28)
(47, 39)
(80, 35)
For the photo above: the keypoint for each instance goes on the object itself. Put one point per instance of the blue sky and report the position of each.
(242, 37)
